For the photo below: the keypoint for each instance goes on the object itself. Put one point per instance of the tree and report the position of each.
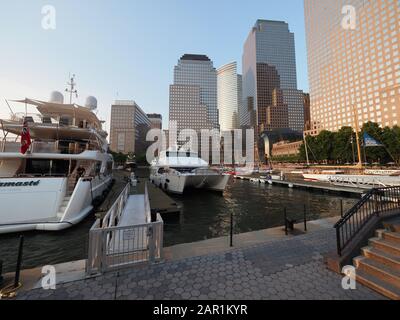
(119, 158)
(342, 150)
(374, 154)
(311, 146)
(391, 140)
(323, 146)
(337, 147)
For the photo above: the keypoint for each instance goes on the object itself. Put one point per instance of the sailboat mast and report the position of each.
(360, 165)
(306, 146)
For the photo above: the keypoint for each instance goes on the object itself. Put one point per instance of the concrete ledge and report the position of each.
(65, 273)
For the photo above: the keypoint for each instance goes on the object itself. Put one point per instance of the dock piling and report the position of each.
(1, 273)
(305, 218)
(286, 222)
(231, 234)
(19, 262)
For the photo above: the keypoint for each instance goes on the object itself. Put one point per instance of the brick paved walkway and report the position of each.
(288, 269)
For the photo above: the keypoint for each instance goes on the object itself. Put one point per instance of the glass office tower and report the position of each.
(270, 96)
(229, 96)
(193, 96)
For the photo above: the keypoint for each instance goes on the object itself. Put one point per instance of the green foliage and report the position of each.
(341, 148)
(344, 145)
(287, 159)
(141, 159)
(391, 139)
(119, 158)
(375, 154)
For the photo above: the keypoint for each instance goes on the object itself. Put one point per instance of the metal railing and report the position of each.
(113, 215)
(376, 203)
(112, 247)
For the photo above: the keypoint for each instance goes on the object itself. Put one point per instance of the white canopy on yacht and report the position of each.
(49, 132)
(56, 110)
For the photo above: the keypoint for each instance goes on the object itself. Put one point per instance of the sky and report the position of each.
(127, 49)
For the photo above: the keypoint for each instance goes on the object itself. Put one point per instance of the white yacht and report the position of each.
(65, 171)
(175, 171)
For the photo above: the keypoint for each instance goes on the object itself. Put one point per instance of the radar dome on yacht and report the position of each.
(56, 97)
(91, 103)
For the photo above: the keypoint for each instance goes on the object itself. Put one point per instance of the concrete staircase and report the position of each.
(63, 207)
(379, 265)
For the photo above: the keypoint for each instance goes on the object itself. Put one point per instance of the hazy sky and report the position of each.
(126, 49)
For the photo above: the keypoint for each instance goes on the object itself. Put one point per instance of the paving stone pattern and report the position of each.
(291, 269)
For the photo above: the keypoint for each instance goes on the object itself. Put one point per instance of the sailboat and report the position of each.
(369, 179)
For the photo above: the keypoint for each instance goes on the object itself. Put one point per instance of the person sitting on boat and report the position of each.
(80, 172)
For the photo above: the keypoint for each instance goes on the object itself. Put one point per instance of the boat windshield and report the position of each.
(47, 167)
(173, 154)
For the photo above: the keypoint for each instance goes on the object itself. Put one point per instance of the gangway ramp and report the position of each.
(126, 235)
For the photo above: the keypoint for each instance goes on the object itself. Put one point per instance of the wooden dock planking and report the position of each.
(160, 202)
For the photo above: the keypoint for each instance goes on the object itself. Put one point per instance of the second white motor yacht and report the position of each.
(176, 171)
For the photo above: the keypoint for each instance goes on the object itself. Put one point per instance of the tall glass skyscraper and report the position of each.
(270, 96)
(229, 96)
(193, 96)
(353, 61)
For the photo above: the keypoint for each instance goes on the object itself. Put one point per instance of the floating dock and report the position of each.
(160, 202)
(306, 185)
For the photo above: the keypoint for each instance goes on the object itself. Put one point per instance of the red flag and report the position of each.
(25, 138)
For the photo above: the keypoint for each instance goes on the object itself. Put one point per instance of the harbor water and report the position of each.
(205, 215)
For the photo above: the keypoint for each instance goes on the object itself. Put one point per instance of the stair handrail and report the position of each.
(373, 204)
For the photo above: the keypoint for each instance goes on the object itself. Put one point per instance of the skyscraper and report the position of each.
(193, 96)
(270, 79)
(353, 61)
(229, 96)
(307, 112)
(156, 120)
(129, 126)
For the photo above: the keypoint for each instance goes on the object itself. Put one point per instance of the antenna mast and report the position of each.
(71, 88)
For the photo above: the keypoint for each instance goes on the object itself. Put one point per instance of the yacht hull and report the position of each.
(179, 183)
(42, 203)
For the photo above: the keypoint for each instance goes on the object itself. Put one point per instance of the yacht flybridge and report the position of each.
(65, 170)
(174, 171)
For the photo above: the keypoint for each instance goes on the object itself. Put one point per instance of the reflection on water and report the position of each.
(205, 215)
(43, 248)
(255, 207)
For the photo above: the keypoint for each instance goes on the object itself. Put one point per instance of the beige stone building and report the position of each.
(285, 148)
(353, 60)
(129, 126)
(314, 129)
(156, 120)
